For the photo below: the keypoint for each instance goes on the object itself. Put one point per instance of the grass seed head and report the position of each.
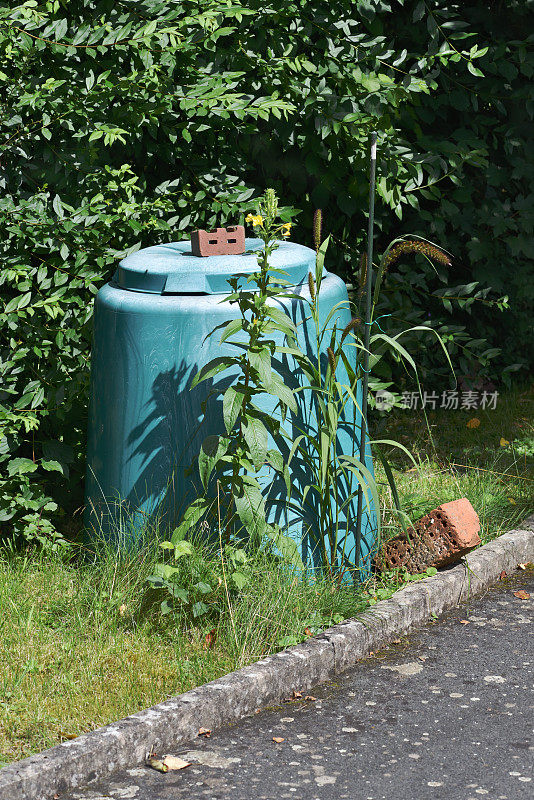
(349, 327)
(311, 285)
(331, 360)
(416, 246)
(317, 228)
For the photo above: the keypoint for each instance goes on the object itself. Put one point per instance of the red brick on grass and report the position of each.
(220, 242)
(437, 539)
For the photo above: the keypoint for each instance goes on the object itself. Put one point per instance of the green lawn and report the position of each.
(80, 647)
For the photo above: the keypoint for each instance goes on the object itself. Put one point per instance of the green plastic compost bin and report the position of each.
(151, 336)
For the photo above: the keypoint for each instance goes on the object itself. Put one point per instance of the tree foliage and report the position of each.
(127, 123)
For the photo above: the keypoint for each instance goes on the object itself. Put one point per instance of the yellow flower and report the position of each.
(504, 442)
(256, 220)
(286, 228)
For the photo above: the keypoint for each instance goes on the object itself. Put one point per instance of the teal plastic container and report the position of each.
(151, 336)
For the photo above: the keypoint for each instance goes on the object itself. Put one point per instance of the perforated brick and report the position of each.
(437, 539)
(220, 242)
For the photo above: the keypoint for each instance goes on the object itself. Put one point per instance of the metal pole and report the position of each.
(366, 337)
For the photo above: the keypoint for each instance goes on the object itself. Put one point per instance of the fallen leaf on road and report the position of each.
(204, 732)
(278, 739)
(157, 764)
(522, 594)
(294, 696)
(503, 575)
(310, 698)
(464, 622)
(173, 762)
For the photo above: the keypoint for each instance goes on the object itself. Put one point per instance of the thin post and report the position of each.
(366, 337)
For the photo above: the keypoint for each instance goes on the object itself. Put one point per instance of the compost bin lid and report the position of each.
(173, 269)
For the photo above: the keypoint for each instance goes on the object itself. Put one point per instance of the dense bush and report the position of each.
(124, 123)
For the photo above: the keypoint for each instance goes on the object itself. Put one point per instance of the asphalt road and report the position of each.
(445, 713)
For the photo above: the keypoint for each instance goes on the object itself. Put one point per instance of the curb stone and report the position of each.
(172, 723)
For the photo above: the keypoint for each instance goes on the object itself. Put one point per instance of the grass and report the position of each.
(80, 646)
(491, 464)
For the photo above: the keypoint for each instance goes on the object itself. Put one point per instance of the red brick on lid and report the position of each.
(228, 241)
(439, 538)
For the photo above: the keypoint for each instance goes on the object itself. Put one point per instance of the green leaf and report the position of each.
(240, 579)
(250, 508)
(199, 609)
(256, 437)
(232, 404)
(183, 548)
(231, 328)
(57, 206)
(286, 545)
(192, 515)
(212, 449)
(284, 393)
(419, 11)
(281, 319)
(202, 587)
(276, 460)
(165, 608)
(474, 70)
(261, 361)
(212, 368)
(21, 466)
(52, 466)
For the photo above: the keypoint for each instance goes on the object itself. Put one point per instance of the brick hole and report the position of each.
(231, 241)
(213, 241)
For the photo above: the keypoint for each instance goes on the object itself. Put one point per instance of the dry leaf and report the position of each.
(204, 732)
(521, 566)
(278, 739)
(294, 696)
(209, 639)
(310, 698)
(473, 423)
(67, 735)
(157, 764)
(464, 622)
(308, 632)
(503, 575)
(522, 594)
(173, 762)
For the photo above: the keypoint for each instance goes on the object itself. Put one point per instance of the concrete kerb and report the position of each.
(170, 724)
